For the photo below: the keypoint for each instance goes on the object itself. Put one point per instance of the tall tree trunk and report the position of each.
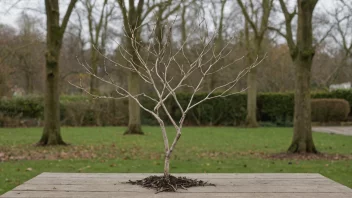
(132, 22)
(302, 140)
(134, 111)
(30, 86)
(302, 137)
(94, 80)
(251, 119)
(258, 28)
(51, 133)
(183, 24)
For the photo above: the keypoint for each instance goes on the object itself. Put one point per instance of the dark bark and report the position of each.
(94, 82)
(302, 141)
(183, 24)
(134, 129)
(51, 133)
(132, 19)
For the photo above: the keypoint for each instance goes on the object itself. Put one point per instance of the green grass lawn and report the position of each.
(218, 150)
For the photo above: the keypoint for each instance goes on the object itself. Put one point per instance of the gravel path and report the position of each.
(342, 130)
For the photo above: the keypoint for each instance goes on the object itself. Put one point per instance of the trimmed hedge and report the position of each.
(273, 108)
(330, 110)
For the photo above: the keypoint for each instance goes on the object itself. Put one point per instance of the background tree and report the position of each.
(342, 29)
(218, 22)
(97, 31)
(302, 52)
(29, 62)
(133, 17)
(259, 25)
(55, 33)
(162, 14)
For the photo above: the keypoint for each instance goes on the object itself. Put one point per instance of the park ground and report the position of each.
(200, 150)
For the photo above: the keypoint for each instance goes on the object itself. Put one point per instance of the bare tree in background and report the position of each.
(341, 34)
(97, 30)
(162, 14)
(155, 74)
(133, 17)
(29, 61)
(188, 6)
(55, 33)
(302, 53)
(259, 25)
(219, 40)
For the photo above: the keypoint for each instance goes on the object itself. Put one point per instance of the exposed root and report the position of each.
(170, 184)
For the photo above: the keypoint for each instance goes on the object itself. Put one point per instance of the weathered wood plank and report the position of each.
(208, 189)
(89, 185)
(195, 175)
(105, 181)
(50, 194)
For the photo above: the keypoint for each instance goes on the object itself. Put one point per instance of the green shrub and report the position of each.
(89, 112)
(29, 107)
(341, 94)
(329, 110)
(274, 108)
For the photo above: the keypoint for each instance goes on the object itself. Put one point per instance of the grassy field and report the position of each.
(218, 150)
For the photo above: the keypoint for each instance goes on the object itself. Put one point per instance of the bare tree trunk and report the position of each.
(251, 119)
(94, 81)
(132, 19)
(134, 110)
(302, 137)
(51, 133)
(183, 24)
(254, 48)
(95, 28)
(134, 122)
(29, 83)
(302, 140)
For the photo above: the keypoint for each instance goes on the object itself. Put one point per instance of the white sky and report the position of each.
(11, 9)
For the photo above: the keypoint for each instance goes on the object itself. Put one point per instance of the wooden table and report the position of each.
(101, 185)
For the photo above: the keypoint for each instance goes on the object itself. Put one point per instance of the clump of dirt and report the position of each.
(310, 156)
(171, 184)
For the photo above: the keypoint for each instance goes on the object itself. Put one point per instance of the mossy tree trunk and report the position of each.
(51, 133)
(302, 141)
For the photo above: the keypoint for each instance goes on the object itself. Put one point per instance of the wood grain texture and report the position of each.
(89, 185)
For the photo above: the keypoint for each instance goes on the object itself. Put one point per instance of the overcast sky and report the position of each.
(11, 9)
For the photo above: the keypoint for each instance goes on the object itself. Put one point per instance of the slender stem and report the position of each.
(166, 141)
(167, 167)
(178, 135)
